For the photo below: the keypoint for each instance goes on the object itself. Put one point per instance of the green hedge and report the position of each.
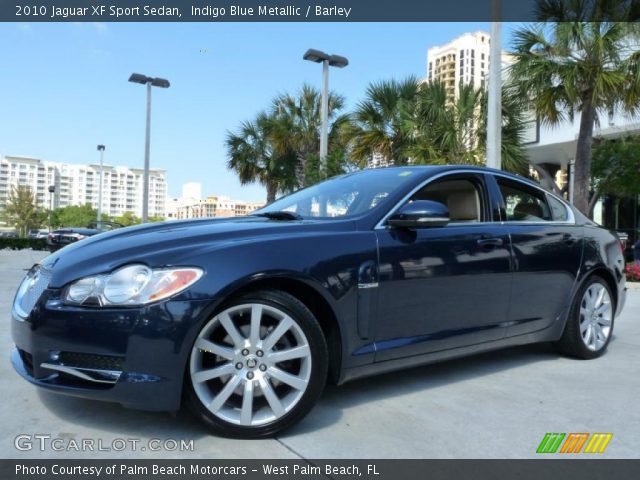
(21, 243)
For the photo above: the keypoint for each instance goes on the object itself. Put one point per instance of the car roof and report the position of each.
(452, 168)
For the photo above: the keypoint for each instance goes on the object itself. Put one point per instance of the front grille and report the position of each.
(87, 360)
(31, 289)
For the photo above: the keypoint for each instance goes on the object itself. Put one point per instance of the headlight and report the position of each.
(131, 285)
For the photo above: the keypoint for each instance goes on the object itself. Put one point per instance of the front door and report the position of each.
(444, 287)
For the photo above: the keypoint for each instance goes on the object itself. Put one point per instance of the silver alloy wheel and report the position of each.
(596, 314)
(250, 364)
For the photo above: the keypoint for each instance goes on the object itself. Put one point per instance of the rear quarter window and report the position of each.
(558, 210)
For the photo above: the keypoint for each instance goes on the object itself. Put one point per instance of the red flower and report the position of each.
(632, 272)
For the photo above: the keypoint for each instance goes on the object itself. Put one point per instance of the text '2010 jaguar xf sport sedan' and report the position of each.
(246, 319)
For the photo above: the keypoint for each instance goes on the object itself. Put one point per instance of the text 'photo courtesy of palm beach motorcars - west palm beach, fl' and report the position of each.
(246, 319)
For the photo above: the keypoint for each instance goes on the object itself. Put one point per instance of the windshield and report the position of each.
(344, 196)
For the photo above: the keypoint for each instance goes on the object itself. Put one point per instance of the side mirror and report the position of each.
(420, 214)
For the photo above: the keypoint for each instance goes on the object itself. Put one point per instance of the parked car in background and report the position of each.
(38, 234)
(9, 234)
(65, 236)
(246, 318)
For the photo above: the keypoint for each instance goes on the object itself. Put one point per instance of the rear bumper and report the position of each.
(135, 357)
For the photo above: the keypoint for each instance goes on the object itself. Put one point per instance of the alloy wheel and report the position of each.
(596, 314)
(251, 364)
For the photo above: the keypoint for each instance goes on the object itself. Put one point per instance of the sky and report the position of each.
(64, 88)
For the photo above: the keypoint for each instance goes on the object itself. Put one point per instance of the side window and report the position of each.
(462, 197)
(523, 203)
(558, 210)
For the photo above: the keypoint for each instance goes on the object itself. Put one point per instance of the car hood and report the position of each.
(179, 241)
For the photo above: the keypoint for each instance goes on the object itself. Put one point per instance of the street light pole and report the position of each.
(324, 116)
(101, 150)
(52, 190)
(494, 108)
(149, 82)
(147, 148)
(327, 61)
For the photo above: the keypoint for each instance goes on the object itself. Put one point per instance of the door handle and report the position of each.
(568, 239)
(490, 242)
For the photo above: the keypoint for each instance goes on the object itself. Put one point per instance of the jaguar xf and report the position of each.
(246, 319)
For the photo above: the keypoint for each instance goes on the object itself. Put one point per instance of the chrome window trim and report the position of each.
(569, 221)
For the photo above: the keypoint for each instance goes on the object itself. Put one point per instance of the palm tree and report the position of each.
(514, 115)
(584, 62)
(442, 131)
(254, 158)
(296, 125)
(446, 132)
(378, 123)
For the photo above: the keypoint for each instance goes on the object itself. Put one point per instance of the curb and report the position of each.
(633, 285)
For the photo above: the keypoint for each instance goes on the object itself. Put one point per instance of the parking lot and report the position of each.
(496, 405)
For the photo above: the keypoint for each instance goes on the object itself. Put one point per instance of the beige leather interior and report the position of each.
(460, 196)
(527, 211)
(464, 206)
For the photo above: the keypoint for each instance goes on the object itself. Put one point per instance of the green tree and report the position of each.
(616, 168)
(21, 211)
(127, 219)
(74, 216)
(583, 59)
(254, 157)
(295, 124)
(428, 128)
(378, 123)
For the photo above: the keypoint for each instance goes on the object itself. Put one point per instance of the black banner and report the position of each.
(582, 469)
(265, 10)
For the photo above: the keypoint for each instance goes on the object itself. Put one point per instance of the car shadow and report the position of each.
(421, 378)
(182, 425)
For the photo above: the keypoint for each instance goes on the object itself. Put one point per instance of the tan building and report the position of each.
(464, 60)
(215, 206)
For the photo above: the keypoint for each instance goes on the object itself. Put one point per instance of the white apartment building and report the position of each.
(464, 60)
(79, 185)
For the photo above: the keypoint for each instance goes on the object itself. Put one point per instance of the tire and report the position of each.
(262, 383)
(575, 340)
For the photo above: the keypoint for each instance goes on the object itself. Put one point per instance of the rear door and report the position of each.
(547, 248)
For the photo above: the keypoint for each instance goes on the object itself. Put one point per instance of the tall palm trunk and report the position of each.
(582, 173)
(301, 170)
(272, 190)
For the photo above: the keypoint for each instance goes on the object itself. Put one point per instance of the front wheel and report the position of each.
(590, 322)
(258, 366)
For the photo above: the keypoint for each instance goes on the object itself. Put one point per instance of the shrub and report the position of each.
(633, 272)
(22, 243)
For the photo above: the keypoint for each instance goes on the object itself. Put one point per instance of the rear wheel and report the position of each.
(590, 322)
(258, 366)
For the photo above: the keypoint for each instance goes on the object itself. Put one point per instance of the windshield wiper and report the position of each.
(278, 215)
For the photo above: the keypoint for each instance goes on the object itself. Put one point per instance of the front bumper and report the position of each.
(135, 357)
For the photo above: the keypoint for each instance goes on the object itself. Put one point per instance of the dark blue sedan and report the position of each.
(246, 319)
